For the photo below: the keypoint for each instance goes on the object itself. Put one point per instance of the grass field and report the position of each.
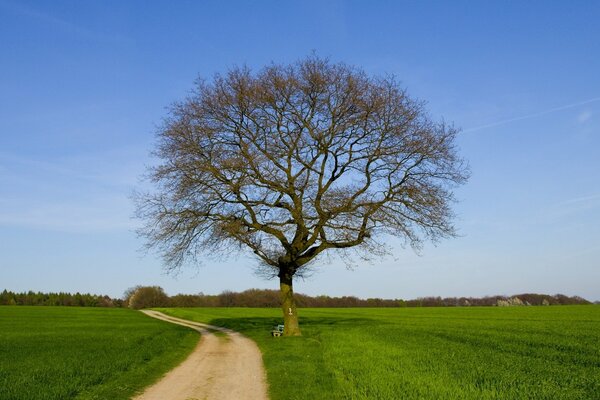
(426, 353)
(59, 353)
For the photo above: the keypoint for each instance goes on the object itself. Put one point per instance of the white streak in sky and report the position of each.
(582, 199)
(66, 26)
(537, 114)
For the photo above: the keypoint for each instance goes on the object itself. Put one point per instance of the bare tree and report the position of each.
(295, 160)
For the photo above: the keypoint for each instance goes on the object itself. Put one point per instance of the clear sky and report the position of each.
(83, 86)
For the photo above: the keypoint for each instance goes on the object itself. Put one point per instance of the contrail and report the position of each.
(537, 114)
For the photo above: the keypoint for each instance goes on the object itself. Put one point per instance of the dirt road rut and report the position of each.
(226, 366)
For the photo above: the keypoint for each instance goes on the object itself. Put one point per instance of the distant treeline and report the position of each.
(525, 299)
(270, 298)
(58, 299)
(154, 296)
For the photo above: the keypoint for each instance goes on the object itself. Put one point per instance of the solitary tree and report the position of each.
(145, 297)
(295, 161)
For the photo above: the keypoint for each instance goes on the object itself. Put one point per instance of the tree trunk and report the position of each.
(288, 306)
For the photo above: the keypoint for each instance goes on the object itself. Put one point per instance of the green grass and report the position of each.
(425, 353)
(49, 353)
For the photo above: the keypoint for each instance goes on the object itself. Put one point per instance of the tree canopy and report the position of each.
(297, 160)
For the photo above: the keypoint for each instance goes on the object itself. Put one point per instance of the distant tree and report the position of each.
(296, 161)
(148, 296)
(128, 293)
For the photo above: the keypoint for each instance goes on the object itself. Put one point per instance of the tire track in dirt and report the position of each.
(225, 367)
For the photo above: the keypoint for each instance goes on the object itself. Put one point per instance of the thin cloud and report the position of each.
(64, 25)
(584, 116)
(569, 207)
(582, 199)
(106, 213)
(119, 167)
(537, 114)
(83, 193)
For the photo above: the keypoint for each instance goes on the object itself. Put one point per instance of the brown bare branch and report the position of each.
(297, 160)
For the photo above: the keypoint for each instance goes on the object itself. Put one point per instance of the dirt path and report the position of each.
(223, 366)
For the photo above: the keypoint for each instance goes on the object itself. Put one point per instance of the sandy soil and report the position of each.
(228, 366)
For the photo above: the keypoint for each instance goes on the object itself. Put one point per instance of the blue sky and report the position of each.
(83, 86)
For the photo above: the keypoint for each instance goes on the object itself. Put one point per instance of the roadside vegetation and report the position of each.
(425, 353)
(59, 353)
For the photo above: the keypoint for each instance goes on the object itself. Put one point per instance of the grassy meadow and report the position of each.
(59, 353)
(425, 353)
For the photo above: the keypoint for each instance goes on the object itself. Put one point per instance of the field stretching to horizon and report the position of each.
(344, 353)
(59, 353)
(425, 353)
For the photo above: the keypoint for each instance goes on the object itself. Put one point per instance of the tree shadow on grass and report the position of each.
(311, 324)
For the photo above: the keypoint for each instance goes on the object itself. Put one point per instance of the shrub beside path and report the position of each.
(228, 366)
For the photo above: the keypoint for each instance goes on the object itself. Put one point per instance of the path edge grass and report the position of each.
(136, 380)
